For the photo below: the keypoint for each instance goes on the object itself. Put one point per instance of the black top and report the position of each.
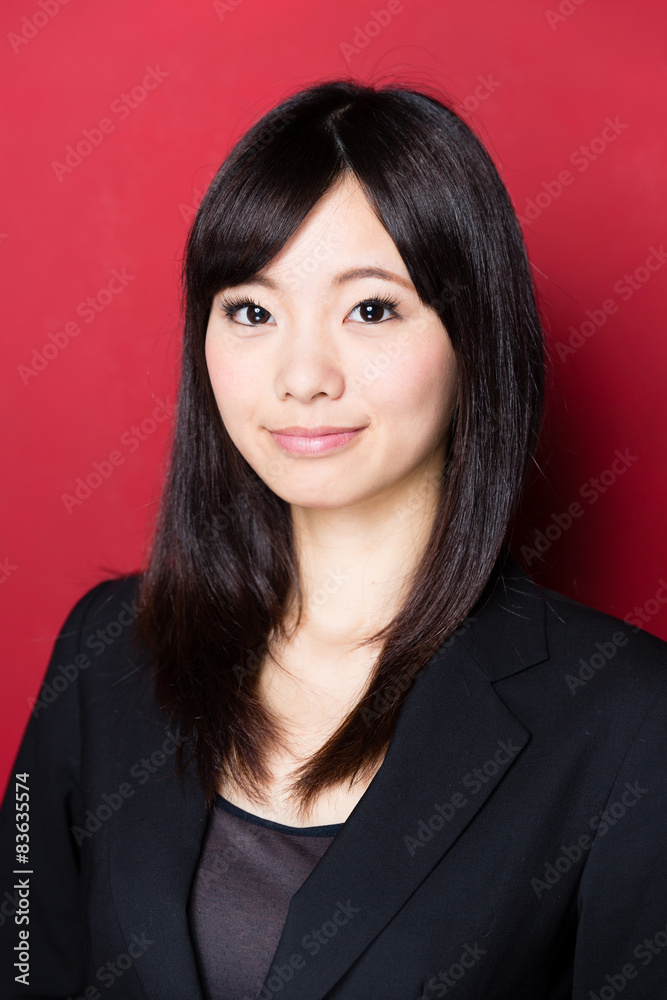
(248, 871)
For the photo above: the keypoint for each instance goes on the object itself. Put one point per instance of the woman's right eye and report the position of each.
(250, 312)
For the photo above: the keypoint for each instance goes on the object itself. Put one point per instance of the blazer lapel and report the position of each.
(451, 722)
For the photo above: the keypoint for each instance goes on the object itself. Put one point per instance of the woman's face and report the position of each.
(307, 345)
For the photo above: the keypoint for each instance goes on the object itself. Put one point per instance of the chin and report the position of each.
(320, 496)
(317, 499)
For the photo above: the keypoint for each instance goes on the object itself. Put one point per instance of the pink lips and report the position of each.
(314, 440)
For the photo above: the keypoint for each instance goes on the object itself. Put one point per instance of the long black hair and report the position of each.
(222, 559)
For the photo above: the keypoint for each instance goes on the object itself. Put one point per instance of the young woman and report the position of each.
(332, 742)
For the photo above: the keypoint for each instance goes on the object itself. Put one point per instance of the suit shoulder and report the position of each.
(589, 644)
(565, 613)
(107, 597)
(109, 601)
(104, 599)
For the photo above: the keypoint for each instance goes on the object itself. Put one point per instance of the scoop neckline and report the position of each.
(298, 831)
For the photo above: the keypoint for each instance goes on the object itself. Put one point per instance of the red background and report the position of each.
(552, 81)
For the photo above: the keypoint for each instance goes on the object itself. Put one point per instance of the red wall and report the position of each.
(567, 96)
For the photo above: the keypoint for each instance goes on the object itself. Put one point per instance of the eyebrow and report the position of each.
(339, 279)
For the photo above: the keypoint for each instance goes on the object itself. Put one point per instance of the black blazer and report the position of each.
(512, 845)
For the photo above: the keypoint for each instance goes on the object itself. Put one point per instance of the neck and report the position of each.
(356, 564)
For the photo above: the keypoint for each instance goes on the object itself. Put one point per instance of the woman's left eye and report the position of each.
(370, 310)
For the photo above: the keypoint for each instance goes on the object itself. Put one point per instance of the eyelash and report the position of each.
(232, 304)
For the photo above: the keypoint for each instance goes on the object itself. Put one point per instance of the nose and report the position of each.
(309, 366)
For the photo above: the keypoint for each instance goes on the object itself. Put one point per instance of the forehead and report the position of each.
(341, 230)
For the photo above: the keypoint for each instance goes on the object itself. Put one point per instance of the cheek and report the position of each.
(417, 390)
(235, 381)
